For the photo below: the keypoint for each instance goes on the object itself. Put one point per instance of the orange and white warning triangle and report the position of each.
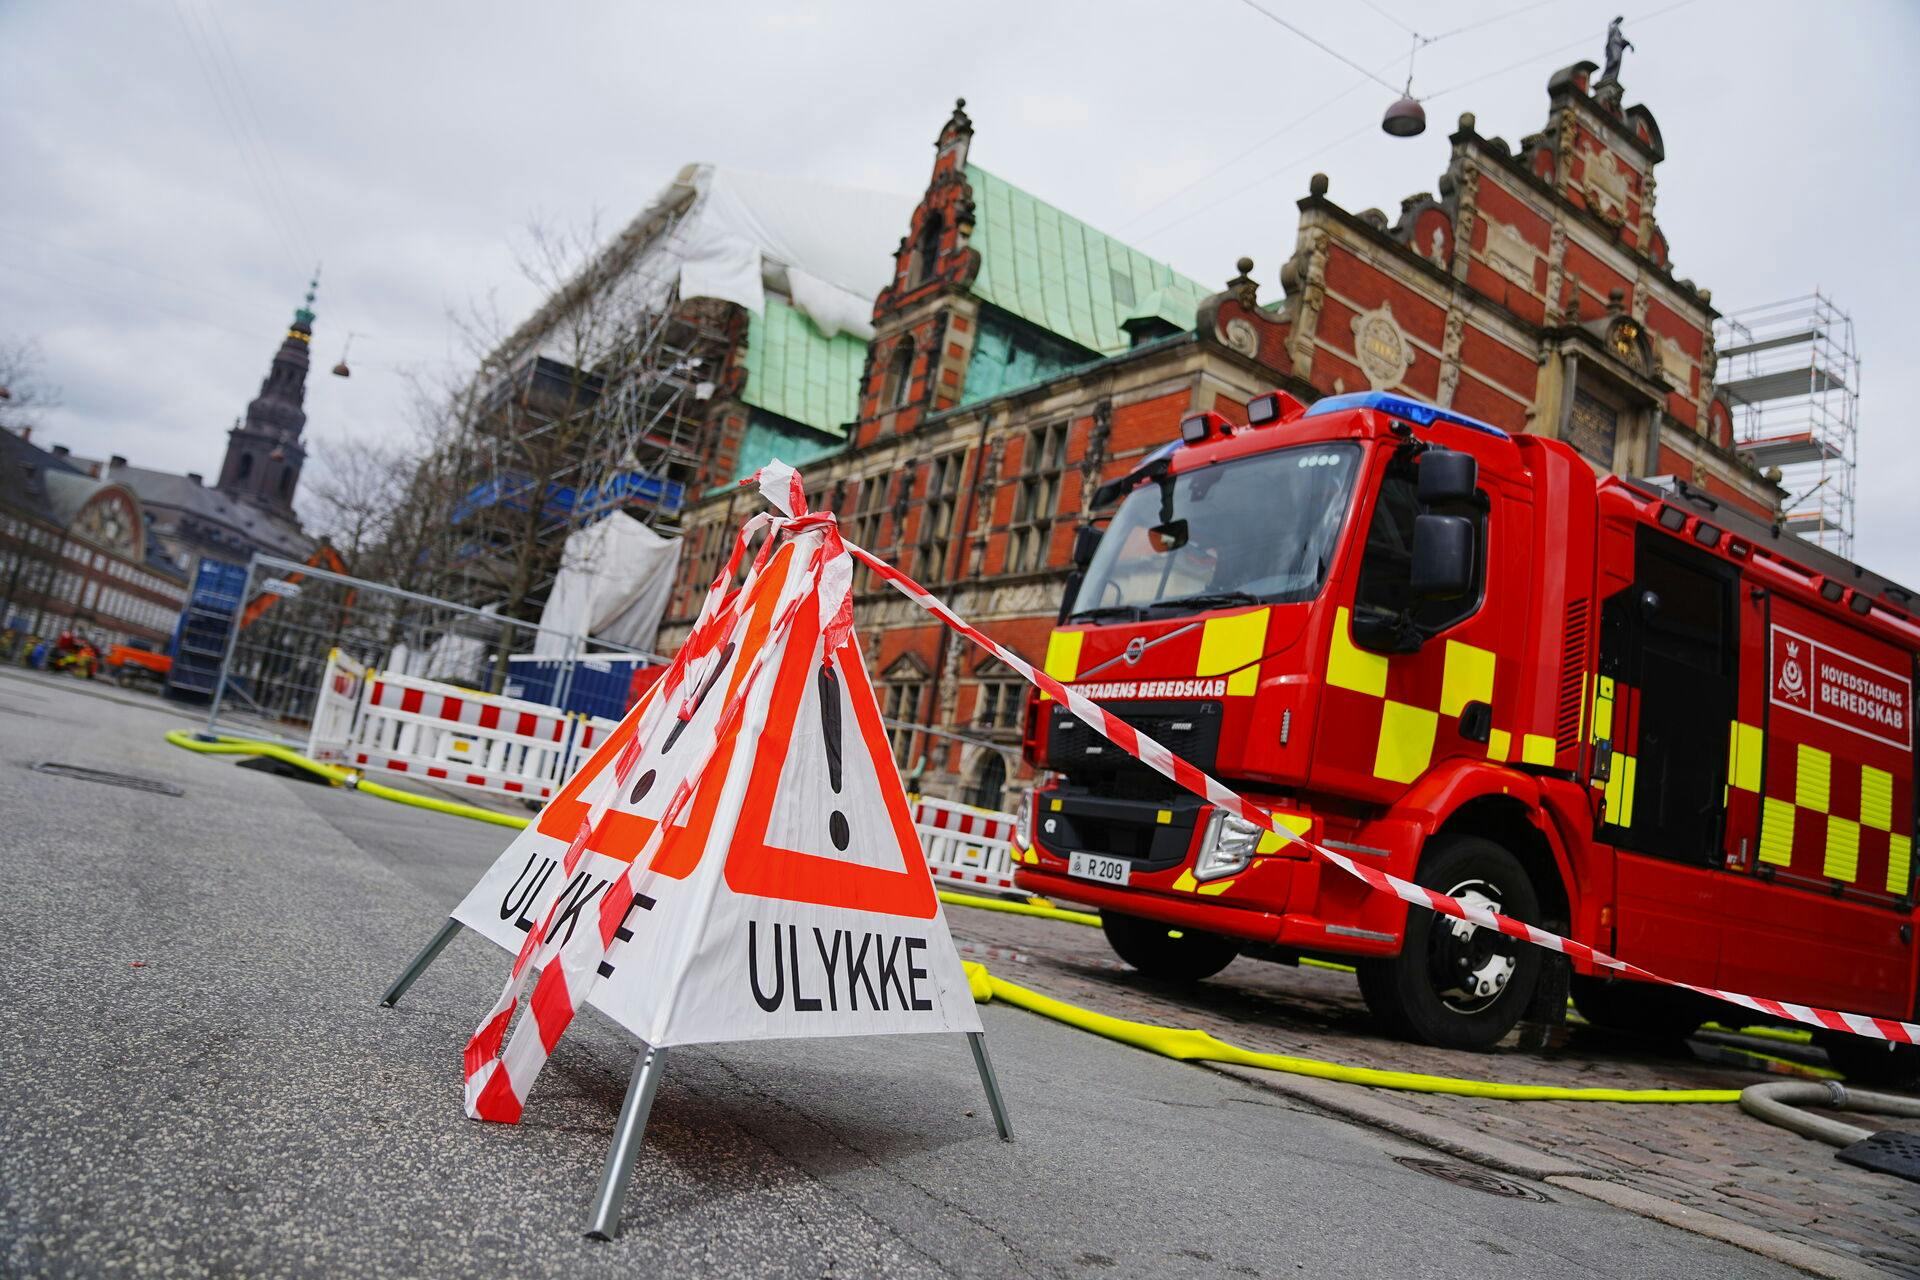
(791, 896)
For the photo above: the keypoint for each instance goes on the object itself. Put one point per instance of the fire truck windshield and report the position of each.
(1256, 530)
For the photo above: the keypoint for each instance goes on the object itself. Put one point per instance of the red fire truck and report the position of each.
(1615, 708)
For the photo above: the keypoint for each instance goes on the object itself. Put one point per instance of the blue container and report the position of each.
(597, 687)
(200, 637)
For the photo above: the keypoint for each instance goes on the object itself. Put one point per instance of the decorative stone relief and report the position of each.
(1607, 185)
(1642, 295)
(1381, 347)
(1243, 337)
(1510, 253)
(1450, 355)
(1463, 220)
(1674, 365)
(1312, 248)
(1563, 146)
(1556, 270)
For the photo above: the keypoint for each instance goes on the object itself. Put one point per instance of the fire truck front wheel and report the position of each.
(1163, 951)
(1454, 984)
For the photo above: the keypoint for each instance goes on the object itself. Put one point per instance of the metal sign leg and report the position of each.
(627, 1137)
(420, 962)
(977, 1041)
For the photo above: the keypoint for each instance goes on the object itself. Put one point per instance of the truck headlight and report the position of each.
(1023, 821)
(1227, 847)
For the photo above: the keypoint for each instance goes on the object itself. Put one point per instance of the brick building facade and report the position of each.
(1020, 357)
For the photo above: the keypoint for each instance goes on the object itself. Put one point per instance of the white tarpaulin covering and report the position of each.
(828, 249)
(615, 576)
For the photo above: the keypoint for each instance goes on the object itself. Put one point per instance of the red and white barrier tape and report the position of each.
(1159, 758)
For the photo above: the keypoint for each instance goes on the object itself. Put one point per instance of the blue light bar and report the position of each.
(1421, 415)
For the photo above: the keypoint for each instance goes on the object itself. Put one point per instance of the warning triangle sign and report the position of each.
(791, 896)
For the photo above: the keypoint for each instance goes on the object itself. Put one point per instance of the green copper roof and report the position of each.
(796, 373)
(1057, 272)
(768, 438)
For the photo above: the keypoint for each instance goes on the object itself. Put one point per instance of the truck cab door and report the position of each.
(1669, 647)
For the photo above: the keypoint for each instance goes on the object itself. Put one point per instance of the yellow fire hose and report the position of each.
(1184, 1045)
(339, 777)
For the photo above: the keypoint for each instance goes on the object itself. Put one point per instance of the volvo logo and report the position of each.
(1135, 647)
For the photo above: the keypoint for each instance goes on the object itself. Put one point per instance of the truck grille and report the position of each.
(1191, 730)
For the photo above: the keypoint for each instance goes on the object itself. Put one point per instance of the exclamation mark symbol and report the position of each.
(829, 683)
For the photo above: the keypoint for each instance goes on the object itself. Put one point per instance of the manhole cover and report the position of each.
(1889, 1151)
(1466, 1175)
(127, 780)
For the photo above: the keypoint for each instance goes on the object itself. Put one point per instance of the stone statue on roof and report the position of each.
(1617, 46)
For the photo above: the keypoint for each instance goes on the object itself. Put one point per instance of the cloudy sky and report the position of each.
(171, 170)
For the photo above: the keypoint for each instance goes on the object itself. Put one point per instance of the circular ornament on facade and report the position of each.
(1242, 337)
(1381, 346)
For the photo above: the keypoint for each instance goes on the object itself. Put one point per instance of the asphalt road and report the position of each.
(198, 1081)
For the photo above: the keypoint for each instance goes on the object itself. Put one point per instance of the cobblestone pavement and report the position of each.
(1710, 1157)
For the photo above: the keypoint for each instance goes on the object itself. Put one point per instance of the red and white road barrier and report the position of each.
(418, 728)
(1192, 778)
(965, 846)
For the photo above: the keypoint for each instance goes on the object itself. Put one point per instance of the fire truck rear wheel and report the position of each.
(1871, 1062)
(1453, 984)
(1164, 951)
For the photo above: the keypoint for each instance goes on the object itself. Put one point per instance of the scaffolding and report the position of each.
(1790, 374)
(598, 405)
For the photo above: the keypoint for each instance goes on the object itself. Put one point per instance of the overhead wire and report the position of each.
(229, 119)
(1559, 48)
(1530, 60)
(1317, 43)
(1326, 104)
(291, 207)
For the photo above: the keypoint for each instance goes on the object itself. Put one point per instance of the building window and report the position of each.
(1035, 499)
(870, 507)
(989, 785)
(936, 516)
(246, 465)
(926, 253)
(286, 484)
(900, 374)
(902, 706)
(999, 704)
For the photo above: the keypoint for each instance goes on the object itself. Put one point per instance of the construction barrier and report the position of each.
(967, 846)
(374, 720)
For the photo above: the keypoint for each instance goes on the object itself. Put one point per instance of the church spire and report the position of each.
(264, 453)
(303, 317)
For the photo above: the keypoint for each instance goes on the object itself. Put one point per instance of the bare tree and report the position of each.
(354, 500)
(25, 393)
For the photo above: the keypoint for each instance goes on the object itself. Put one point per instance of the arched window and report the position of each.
(989, 782)
(900, 374)
(926, 253)
(246, 465)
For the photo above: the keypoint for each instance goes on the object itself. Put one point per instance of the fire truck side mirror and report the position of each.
(1086, 540)
(1447, 476)
(1442, 557)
